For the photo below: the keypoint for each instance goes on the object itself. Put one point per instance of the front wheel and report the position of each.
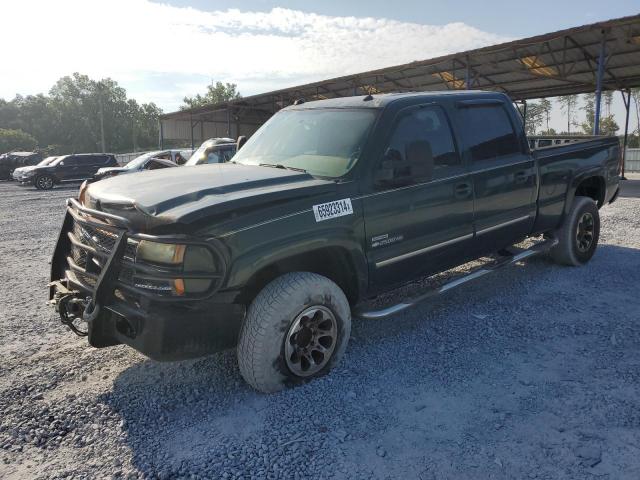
(296, 329)
(44, 182)
(578, 236)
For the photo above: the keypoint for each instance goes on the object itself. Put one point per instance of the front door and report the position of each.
(504, 174)
(420, 213)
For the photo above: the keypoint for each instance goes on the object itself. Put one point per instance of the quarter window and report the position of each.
(488, 132)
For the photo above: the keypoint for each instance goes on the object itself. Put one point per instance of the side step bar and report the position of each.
(536, 249)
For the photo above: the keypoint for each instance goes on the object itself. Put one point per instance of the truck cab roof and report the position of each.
(383, 99)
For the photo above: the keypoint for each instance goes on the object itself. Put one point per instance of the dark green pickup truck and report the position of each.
(329, 204)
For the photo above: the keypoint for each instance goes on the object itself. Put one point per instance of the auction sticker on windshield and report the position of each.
(337, 208)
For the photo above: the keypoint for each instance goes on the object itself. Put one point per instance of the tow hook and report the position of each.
(70, 305)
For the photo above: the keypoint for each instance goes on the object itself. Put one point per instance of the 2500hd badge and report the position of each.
(337, 208)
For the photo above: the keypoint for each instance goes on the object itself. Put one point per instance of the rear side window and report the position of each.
(488, 132)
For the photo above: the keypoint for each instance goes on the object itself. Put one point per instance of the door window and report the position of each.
(71, 161)
(488, 132)
(421, 147)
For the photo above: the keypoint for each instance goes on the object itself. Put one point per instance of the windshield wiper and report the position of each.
(279, 165)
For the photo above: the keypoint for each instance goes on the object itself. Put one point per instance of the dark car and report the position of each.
(68, 168)
(12, 160)
(327, 205)
(214, 150)
(147, 161)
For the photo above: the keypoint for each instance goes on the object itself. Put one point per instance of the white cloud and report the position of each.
(161, 52)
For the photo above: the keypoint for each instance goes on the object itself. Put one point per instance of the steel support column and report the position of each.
(600, 74)
(161, 134)
(467, 73)
(627, 106)
(191, 126)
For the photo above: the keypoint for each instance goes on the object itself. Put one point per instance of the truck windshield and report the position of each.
(323, 142)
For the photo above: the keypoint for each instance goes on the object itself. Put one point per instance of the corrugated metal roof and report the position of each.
(558, 63)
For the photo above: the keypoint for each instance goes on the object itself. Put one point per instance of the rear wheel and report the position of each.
(578, 236)
(296, 329)
(44, 182)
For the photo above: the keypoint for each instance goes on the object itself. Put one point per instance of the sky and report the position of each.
(161, 51)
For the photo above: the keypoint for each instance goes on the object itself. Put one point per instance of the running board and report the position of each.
(536, 249)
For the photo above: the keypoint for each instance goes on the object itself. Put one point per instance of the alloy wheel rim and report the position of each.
(45, 182)
(584, 233)
(310, 341)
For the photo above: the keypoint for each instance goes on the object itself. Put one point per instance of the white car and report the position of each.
(22, 174)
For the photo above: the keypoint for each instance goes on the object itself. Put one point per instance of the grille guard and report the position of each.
(103, 284)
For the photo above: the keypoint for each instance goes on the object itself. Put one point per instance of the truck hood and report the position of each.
(185, 195)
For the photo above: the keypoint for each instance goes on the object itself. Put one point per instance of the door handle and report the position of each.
(463, 190)
(521, 177)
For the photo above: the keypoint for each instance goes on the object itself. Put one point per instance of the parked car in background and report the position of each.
(68, 168)
(21, 174)
(214, 150)
(12, 160)
(146, 161)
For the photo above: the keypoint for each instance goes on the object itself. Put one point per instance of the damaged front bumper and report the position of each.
(95, 279)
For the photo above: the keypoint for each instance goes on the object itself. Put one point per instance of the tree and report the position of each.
(15, 140)
(568, 105)
(608, 125)
(78, 112)
(535, 117)
(546, 107)
(218, 93)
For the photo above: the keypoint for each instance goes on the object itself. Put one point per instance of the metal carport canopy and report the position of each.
(554, 64)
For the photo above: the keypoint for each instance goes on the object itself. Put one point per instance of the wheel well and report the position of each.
(335, 263)
(592, 187)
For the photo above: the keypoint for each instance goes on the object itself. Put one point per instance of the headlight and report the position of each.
(188, 258)
(165, 253)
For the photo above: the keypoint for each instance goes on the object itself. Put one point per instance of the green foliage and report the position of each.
(218, 93)
(15, 140)
(535, 117)
(608, 125)
(69, 118)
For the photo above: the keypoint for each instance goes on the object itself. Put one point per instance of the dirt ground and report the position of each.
(533, 372)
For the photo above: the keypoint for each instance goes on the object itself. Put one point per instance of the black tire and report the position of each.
(44, 182)
(578, 236)
(297, 308)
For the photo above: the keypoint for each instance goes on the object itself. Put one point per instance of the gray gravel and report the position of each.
(531, 373)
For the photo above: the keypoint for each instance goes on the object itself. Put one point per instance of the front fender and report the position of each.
(256, 248)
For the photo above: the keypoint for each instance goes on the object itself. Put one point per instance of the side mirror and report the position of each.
(61, 163)
(385, 173)
(241, 141)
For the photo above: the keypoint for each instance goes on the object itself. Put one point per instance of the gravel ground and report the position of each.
(533, 372)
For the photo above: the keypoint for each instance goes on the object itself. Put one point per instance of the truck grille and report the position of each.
(103, 242)
(92, 242)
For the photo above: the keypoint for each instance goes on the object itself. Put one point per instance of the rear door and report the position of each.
(503, 171)
(87, 166)
(422, 219)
